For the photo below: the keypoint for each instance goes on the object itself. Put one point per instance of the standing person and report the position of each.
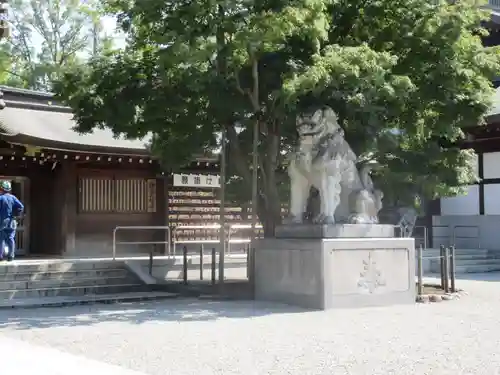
(10, 208)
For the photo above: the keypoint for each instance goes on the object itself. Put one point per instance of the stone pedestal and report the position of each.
(335, 231)
(324, 273)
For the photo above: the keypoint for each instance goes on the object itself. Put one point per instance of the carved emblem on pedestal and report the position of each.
(371, 277)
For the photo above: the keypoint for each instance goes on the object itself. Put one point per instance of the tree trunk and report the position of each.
(270, 189)
(269, 202)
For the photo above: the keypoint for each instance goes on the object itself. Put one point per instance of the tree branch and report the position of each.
(15, 74)
(262, 171)
(254, 97)
(238, 84)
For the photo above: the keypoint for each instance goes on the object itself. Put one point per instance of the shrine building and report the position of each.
(78, 187)
(472, 220)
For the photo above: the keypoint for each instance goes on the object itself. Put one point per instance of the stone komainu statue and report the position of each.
(324, 160)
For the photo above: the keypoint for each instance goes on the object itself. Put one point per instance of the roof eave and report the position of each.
(23, 139)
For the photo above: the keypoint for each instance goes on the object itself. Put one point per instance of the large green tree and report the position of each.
(48, 37)
(405, 77)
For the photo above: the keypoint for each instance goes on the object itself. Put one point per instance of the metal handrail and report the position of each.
(426, 238)
(478, 236)
(174, 236)
(453, 236)
(141, 242)
(239, 226)
(214, 226)
(235, 240)
(447, 226)
(494, 4)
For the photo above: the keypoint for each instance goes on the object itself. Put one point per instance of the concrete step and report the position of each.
(73, 282)
(55, 266)
(73, 291)
(478, 257)
(25, 303)
(478, 252)
(58, 275)
(477, 268)
(468, 262)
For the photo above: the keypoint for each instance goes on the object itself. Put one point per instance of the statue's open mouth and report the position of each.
(306, 129)
(309, 134)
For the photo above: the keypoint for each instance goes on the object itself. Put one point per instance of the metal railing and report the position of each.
(455, 237)
(452, 236)
(425, 237)
(213, 264)
(182, 227)
(229, 227)
(167, 242)
(495, 4)
(239, 240)
(447, 269)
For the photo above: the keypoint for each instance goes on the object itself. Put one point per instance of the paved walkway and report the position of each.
(181, 337)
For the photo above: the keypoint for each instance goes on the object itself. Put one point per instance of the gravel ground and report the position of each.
(181, 337)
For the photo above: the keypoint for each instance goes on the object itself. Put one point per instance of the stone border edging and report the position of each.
(427, 298)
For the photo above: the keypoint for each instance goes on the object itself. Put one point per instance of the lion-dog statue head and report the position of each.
(318, 123)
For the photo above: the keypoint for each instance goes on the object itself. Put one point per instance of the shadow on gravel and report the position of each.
(180, 310)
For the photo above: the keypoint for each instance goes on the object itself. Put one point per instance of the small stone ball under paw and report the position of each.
(435, 298)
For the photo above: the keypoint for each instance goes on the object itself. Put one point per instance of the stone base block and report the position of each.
(335, 231)
(334, 273)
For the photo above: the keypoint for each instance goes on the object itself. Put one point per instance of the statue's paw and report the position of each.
(356, 219)
(318, 219)
(328, 220)
(322, 219)
(362, 219)
(292, 220)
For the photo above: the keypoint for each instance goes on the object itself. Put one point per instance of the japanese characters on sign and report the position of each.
(151, 195)
(196, 180)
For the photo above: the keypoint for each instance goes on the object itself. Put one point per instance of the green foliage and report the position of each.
(49, 37)
(405, 77)
(407, 80)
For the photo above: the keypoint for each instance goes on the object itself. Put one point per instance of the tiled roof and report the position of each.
(30, 114)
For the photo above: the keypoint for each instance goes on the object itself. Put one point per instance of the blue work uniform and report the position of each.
(10, 207)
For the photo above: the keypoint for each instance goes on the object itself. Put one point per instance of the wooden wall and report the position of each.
(107, 198)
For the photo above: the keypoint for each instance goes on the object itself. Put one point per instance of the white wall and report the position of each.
(491, 169)
(491, 165)
(467, 204)
(492, 199)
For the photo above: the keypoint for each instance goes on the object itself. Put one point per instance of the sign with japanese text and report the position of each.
(197, 180)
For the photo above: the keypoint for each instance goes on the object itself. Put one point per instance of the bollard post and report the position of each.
(251, 275)
(452, 269)
(247, 250)
(214, 261)
(201, 262)
(185, 265)
(420, 271)
(151, 263)
(441, 263)
(446, 269)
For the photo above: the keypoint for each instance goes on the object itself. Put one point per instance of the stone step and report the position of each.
(58, 275)
(55, 266)
(61, 283)
(478, 257)
(459, 252)
(477, 268)
(73, 291)
(25, 303)
(468, 262)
